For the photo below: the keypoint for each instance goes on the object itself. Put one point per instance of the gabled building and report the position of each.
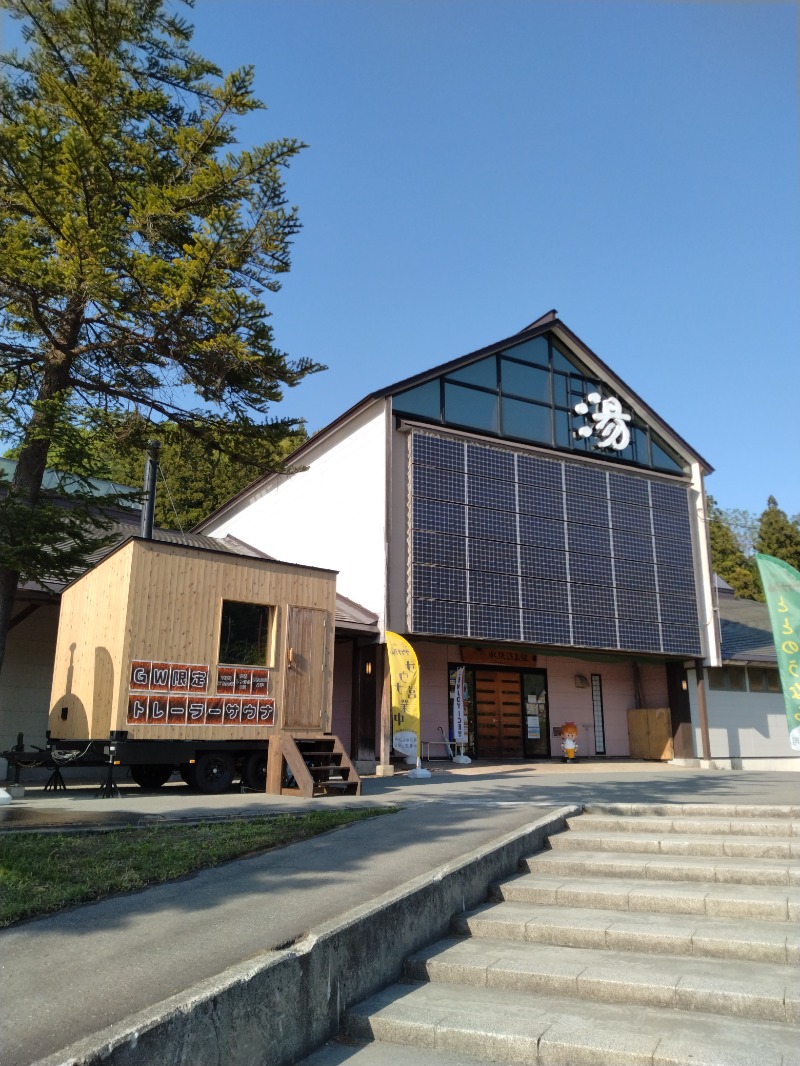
(518, 511)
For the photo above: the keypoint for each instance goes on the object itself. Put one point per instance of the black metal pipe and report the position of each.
(150, 474)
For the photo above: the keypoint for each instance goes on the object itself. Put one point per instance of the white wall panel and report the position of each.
(743, 725)
(331, 514)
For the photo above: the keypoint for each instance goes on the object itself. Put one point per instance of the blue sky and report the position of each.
(474, 163)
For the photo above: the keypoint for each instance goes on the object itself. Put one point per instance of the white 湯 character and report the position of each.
(609, 422)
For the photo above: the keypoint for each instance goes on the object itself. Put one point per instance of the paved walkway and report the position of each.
(72, 974)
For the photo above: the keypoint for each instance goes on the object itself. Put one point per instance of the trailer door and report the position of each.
(305, 675)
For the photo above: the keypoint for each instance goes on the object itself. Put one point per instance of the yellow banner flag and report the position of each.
(404, 675)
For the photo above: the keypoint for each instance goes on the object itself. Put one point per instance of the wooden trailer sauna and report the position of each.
(215, 664)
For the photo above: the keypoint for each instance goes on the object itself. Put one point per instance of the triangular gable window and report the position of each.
(529, 392)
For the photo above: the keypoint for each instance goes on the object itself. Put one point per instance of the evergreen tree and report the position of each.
(196, 475)
(136, 250)
(728, 559)
(778, 535)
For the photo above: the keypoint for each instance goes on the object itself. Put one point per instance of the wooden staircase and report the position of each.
(310, 766)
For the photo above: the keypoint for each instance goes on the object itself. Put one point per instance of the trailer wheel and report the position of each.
(214, 771)
(254, 771)
(151, 776)
(188, 772)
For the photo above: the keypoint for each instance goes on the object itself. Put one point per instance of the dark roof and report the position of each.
(547, 322)
(351, 615)
(745, 631)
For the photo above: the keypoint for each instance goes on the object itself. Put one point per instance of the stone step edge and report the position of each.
(767, 812)
(671, 993)
(608, 896)
(783, 829)
(720, 846)
(685, 869)
(607, 1042)
(698, 944)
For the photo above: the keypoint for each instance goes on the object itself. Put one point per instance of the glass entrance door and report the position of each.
(535, 715)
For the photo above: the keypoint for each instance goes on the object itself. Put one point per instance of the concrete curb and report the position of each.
(281, 1006)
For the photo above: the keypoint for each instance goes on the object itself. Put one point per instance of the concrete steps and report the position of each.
(637, 939)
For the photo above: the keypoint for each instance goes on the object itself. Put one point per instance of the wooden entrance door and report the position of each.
(305, 677)
(498, 707)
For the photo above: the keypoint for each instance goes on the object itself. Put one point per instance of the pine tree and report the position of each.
(136, 251)
(729, 561)
(778, 535)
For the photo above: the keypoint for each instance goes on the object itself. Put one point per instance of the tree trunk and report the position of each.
(26, 484)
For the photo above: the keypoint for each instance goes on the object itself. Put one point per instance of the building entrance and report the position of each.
(511, 717)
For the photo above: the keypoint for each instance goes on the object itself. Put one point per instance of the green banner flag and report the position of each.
(782, 590)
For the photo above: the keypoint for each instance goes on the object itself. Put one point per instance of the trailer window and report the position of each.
(246, 633)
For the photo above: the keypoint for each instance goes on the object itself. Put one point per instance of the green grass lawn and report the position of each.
(45, 872)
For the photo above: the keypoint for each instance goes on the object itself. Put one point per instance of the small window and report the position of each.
(763, 679)
(727, 678)
(246, 633)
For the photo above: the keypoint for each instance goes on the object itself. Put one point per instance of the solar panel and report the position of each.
(439, 548)
(628, 516)
(501, 589)
(489, 492)
(497, 525)
(542, 563)
(442, 517)
(669, 497)
(629, 545)
(541, 473)
(490, 462)
(585, 481)
(539, 627)
(506, 545)
(493, 555)
(533, 500)
(439, 582)
(438, 451)
(545, 595)
(438, 483)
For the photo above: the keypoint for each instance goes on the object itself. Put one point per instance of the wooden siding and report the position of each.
(89, 672)
(164, 605)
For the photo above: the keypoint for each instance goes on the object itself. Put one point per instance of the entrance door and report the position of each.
(498, 706)
(305, 678)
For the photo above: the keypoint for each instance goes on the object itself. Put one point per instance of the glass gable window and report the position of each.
(519, 379)
(483, 373)
(470, 407)
(528, 392)
(526, 421)
(425, 400)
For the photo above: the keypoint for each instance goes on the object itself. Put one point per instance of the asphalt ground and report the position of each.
(67, 976)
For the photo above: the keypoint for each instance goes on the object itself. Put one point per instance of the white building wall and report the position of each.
(744, 728)
(331, 514)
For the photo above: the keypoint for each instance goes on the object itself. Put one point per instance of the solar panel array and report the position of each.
(507, 545)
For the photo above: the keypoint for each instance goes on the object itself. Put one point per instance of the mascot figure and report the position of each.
(569, 742)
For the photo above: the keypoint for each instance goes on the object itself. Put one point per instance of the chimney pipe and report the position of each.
(150, 474)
